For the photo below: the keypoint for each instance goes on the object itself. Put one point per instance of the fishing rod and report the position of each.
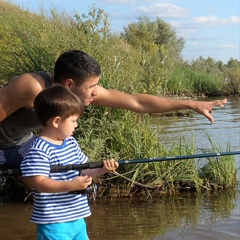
(90, 165)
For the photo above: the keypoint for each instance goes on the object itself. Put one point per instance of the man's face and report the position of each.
(87, 90)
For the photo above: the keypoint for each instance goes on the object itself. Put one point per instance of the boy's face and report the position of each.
(87, 90)
(66, 127)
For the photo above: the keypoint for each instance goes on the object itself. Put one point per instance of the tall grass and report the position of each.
(186, 81)
(219, 172)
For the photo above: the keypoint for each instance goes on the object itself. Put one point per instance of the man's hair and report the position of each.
(75, 65)
(55, 101)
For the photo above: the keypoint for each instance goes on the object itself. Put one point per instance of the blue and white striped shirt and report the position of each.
(55, 207)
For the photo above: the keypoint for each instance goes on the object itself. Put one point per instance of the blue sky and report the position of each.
(210, 28)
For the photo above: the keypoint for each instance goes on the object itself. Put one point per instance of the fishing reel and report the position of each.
(90, 190)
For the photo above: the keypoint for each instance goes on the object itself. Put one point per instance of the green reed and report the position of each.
(219, 172)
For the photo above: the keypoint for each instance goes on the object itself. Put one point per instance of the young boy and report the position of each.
(57, 213)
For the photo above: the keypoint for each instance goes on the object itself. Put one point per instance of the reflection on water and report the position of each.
(15, 222)
(182, 217)
(222, 227)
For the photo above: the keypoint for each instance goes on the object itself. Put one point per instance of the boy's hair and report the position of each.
(57, 100)
(75, 65)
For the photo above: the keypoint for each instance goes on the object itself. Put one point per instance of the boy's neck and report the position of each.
(49, 136)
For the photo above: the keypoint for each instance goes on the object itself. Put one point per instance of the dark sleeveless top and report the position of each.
(17, 128)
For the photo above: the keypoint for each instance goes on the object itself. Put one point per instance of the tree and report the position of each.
(160, 48)
(155, 36)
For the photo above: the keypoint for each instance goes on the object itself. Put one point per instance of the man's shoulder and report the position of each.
(21, 91)
(32, 79)
(27, 82)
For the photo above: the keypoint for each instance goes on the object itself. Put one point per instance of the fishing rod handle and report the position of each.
(79, 167)
(10, 172)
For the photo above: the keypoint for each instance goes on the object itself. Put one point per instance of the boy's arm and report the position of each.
(108, 166)
(48, 185)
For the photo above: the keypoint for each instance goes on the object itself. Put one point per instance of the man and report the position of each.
(81, 74)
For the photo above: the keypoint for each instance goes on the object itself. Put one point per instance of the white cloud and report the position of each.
(187, 28)
(228, 46)
(119, 1)
(215, 21)
(194, 44)
(234, 19)
(163, 10)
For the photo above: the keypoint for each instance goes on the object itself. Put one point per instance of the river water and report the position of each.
(209, 217)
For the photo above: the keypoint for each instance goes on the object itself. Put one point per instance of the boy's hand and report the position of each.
(81, 182)
(110, 165)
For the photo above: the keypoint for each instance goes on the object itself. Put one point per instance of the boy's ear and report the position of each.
(56, 121)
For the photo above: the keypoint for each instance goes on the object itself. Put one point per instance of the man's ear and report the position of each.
(68, 83)
(56, 121)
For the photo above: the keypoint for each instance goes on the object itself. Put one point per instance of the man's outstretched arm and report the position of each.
(145, 103)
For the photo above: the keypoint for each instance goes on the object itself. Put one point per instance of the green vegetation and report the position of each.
(145, 58)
